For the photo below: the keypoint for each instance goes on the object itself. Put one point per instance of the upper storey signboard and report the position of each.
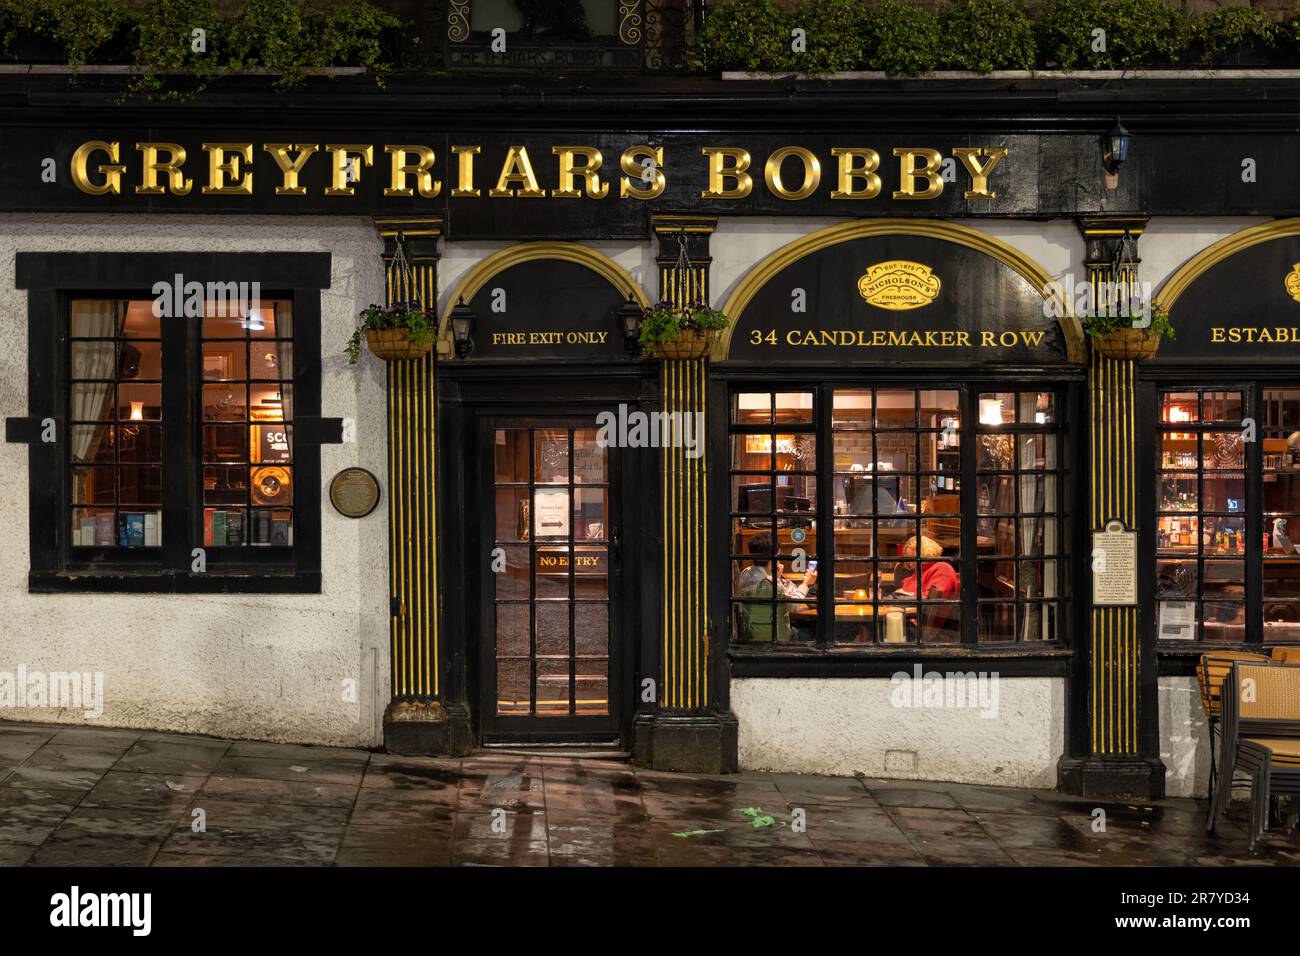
(604, 184)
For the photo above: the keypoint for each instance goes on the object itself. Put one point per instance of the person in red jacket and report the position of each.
(939, 575)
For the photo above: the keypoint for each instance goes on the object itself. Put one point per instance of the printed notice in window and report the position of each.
(551, 514)
(1177, 620)
(1114, 566)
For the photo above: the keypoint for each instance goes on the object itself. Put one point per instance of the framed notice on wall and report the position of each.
(1114, 566)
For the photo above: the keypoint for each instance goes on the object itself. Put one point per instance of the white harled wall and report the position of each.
(274, 666)
(848, 726)
(269, 667)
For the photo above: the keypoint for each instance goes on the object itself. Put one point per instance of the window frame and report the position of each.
(822, 656)
(53, 281)
(467, 48)
(1252, 382)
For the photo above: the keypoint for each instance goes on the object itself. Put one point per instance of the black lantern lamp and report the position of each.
(1114, 150)
(462, 321)
(630, 314)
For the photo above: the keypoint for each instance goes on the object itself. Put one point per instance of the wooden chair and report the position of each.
(1211, 670)
(1259, 734)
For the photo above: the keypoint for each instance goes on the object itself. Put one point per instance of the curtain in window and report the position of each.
(93, 360)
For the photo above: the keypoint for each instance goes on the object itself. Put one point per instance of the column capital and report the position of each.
(1102, 236)
(420, 233)
(669, 223)
(674, 232)
(1100, 227)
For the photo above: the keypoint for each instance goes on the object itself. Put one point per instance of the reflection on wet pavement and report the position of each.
(92, 797)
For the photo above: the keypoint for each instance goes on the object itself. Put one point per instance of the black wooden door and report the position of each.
(549, 651)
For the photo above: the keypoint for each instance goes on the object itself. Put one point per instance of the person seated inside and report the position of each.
(757, 621)
(938, 577)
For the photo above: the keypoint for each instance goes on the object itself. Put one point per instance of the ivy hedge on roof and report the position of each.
(186, 43)
(903, 37)
(162, 38)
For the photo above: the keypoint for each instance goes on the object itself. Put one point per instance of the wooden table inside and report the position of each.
(845, 612)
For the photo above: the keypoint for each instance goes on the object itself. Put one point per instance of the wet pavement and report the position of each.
(98, 797)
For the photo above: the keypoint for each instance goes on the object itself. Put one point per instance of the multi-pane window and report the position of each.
(1018, 536)
(116, 420)
(773, 523)
(1280, 422)
(188, 418)
(944, 510)
(552, 599)
(1202, 505)
(897, 480)
(1228, 506)
(247, 426)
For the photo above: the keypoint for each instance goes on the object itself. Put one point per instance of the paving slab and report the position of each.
(75, 795)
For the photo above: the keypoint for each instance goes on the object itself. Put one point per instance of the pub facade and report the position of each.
(902, 519)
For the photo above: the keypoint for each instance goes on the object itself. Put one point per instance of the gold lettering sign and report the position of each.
(898, 285)
(642, 174)
(1292, 282)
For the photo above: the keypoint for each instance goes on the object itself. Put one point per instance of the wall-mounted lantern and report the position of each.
(630, 314)
(462, 323)
(1114, 152)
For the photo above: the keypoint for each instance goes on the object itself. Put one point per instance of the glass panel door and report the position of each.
(551, 570)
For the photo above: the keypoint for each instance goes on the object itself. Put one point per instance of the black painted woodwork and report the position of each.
(52, 280)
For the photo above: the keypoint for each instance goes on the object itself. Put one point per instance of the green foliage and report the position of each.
(1137, 33)
(348, 34)
(903, 38)
(166, 42)
(1229, 30)
(1288, 31)
(834, 34)
(270, 34)
(1108, 321)
(81, 27)
(988, 35)
(662, 322)
(746, 35)
(420, 323)
(289, 37)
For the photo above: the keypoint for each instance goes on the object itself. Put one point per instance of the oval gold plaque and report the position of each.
(354, 492)
(898, 285)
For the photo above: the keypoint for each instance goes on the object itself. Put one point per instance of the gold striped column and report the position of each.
(689, 732)
(686, 542)
(415, 721)
(1114, 638)
(1114, 762)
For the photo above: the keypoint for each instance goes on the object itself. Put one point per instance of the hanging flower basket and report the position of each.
(394, 333)
(1132, 344)
(1114, 336)
(686, 344)
(396, 345)
(681, 332)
